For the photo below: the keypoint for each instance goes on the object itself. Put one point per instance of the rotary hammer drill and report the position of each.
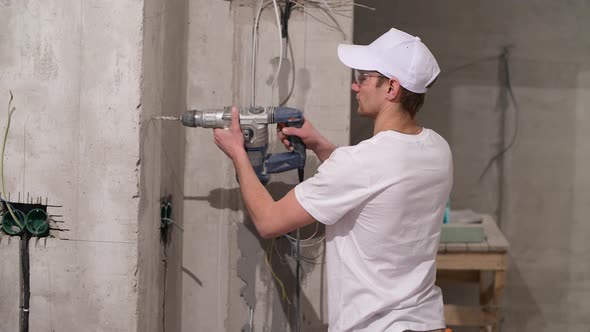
(254, 122)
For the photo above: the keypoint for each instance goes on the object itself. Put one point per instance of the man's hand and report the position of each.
(231, 140)
(307, 133)
(310, 137)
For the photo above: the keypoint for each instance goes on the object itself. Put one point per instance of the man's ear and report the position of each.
(393, 90)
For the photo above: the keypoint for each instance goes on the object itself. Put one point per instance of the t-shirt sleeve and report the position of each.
(340, 185)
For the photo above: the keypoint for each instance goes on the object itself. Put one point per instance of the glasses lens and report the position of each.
(358, 77)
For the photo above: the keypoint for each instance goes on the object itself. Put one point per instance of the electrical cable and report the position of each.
(504, 58)
(279, 28)
(10, 111)
(286, 15)
(268, 261)
(306, 12)
(170, 221)
(255, 51)
(313, 260)
(298, 288)
(292, 87)
(330, 6)
(251, 320)
(261, 7)
(317, 226)
(25, 294)
(306, 245)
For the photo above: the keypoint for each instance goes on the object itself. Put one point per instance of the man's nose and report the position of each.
(355, 87)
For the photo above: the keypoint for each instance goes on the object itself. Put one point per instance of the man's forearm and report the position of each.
(323, 149)
(271, 218)
(257, 199)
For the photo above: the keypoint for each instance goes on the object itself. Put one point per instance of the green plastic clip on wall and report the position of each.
(166, 214)
(11, 226)
(36, 222)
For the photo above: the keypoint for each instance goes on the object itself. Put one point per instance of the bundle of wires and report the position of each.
(7, 205)
(331, 8)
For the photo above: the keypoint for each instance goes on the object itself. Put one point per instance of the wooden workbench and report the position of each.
(484, 263)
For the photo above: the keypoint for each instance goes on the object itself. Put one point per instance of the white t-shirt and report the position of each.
(383, 202)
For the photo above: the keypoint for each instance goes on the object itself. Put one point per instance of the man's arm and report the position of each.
(270, 218)
(312, 139)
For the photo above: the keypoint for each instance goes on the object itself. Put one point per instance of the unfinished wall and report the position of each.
(76, 73)
(225, 272)
(10, 289)
(539, 190)
(162, 164)
(74, 138)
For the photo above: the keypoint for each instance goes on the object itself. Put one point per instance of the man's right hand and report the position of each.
(310, 137)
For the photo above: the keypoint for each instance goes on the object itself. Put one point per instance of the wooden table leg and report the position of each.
(483, 294)
(499, 284)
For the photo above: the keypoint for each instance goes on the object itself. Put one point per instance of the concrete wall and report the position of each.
(225, 272)
(539, 190)
(10, 289)
(82, 82)
(162, 164)
(74, 138)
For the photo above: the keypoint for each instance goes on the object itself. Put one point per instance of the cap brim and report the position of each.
(356, 57)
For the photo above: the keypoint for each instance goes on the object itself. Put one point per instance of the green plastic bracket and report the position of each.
(10, 226)
(166, 214)
(36, 222)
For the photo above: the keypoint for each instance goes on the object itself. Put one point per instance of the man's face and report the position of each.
(369, 96)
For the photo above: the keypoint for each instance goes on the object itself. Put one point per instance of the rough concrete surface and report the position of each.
(539, 190)
(161, 165)
(74, 70)
(206, 269)
(10, 289)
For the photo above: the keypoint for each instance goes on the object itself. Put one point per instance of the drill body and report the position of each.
(254, 123)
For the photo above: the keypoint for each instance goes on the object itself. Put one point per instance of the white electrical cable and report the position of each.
(331, 15)
(255, 51)
(292, 87)
(307, 12)
(310, 244)
(317, 227)
(279, 28)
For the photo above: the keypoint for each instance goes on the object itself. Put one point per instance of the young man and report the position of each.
(382, 201)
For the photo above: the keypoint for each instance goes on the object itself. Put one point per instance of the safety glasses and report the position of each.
(360, 75)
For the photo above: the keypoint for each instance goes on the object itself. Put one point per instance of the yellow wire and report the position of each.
(267, 257)
(10, 110)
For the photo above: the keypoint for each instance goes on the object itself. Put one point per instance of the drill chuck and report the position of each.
(188, 119)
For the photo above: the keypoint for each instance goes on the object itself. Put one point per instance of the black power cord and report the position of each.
(25, 280)
(286, 15)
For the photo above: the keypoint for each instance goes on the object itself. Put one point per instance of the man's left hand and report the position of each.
(231, 140)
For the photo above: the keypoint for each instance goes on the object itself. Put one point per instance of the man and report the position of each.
(382, 201)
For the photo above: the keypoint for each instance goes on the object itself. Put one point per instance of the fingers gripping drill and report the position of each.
(254, 123)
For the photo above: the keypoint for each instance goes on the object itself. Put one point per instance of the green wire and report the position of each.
(10, 111)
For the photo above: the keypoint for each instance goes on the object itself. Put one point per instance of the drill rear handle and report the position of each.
(284, 161)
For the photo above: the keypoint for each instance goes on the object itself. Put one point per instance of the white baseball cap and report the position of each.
(395, 54)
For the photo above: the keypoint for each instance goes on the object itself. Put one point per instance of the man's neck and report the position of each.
(393, 117)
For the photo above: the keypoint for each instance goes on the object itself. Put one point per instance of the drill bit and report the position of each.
(172, 118)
